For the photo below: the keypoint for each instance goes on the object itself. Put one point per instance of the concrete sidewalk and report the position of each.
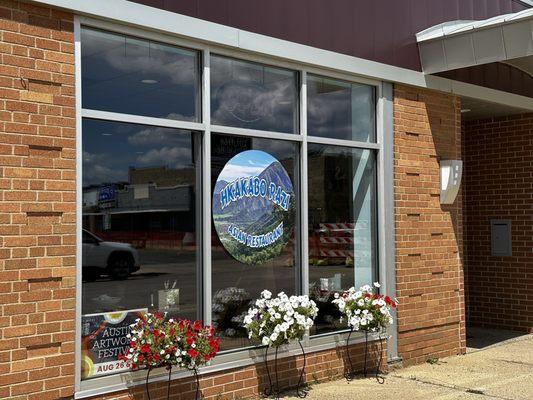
(502, 371)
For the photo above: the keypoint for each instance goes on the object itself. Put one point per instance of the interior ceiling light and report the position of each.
(149, 81)
(465, 110)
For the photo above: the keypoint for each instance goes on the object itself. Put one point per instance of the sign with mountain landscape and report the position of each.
(254, 207)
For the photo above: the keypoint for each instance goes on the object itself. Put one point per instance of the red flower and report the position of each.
(145, 349)
(197, 326)
(193, 353)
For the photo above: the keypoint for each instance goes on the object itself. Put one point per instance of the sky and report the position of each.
(247, 163)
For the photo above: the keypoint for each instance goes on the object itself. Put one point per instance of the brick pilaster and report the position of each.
(37, 202)
(429, 259)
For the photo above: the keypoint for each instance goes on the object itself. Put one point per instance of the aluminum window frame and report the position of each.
(382, 148)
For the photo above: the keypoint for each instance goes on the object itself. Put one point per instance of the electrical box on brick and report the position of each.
(500, 237)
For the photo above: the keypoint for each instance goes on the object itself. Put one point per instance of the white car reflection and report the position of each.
(117, 260)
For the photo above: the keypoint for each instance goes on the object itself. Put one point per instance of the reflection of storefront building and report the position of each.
(145, 215)
(158, 157)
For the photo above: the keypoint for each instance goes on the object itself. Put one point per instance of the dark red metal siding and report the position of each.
(379, 30)
(495, 76)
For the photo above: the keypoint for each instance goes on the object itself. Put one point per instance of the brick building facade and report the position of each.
(499, 175)
(37, 269)
(429, 236)
(445, 280)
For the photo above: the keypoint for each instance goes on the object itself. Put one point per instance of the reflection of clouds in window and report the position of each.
(253, 96)
(110, 149)
(159, 63)
(322, 110)
(92, 158)
(132, 55)
(164, 156)
(265, 107)
(157, 136)
(97, 171)
(129, 75)
(340, 110)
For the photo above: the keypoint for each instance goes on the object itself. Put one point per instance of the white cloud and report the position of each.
(158, 136)
(92, 158)
(165, 155)
(95, 171)
(232, 172)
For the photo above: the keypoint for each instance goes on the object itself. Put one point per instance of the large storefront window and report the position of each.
(144, 201)
(237, 280)
(342, 225)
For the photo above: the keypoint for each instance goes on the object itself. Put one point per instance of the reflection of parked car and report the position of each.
(99, 257)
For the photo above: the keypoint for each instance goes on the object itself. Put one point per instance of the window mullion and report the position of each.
(206, 191)
(304, 217)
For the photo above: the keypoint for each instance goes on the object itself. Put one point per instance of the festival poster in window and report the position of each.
(103, 339)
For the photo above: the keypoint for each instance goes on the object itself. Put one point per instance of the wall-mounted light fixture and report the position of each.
(451, 172)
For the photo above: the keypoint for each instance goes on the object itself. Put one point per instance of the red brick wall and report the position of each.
(246, 382)
(429, 268)
(498, 181)
(37, 202)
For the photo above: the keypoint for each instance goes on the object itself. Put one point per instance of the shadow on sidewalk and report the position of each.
(480, 338)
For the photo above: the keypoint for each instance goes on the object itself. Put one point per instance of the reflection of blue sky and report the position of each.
(111, 148)
(245, 164)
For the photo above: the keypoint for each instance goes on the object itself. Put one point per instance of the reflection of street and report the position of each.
(161, 265)
(141, 290)
(158, 266)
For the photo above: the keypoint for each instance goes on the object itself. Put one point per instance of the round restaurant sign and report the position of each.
(253, 207)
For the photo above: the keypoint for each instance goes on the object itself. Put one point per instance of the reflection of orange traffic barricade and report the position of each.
(332, 243)
(152, 239)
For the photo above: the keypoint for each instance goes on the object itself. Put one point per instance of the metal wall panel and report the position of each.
(495, 76)
(378, 30)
